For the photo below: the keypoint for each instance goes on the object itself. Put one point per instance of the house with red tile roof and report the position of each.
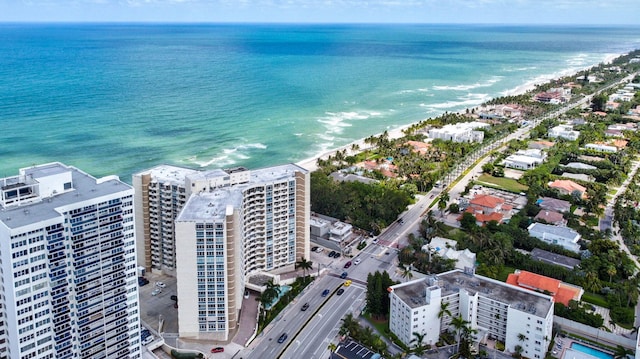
(560, 291)
(487, 208)
(568, 187)
(386, 167)
(419, 147)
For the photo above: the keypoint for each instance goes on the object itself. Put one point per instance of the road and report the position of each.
(293, 319)
(323, 328)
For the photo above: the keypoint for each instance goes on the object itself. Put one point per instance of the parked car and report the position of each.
(314, 249)
(357, 261)
(174, 297)
(148, 340)
(217, 350)
(332, 253)
(344, 275)
(347, 265)
(142, 281)
(337, 255)
(340, 291)
(305, 307)
(325, 292)
(156, 291)
(160, 284)
(282, 338)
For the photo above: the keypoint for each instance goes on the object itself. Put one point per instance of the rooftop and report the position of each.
(167, 173)
(554, 258)
(413, 293)
(560, 231)
(44, 207)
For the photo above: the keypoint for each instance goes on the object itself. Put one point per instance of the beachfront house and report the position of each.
(558, 235)
(460, 132)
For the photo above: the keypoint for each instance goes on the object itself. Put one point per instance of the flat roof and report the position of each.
(206, 206)
(413, 293)
(168, 173)
(85, 187)
(554, 258)
(213, 204)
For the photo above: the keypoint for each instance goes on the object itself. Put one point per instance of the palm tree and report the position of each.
(271, 291)
(622, 352)
(350, 324)
(419, 337)
(332, 347)
(522, 337)
(406, 272)
(458, 324)
(304, 264)
(519, 350)
(444, 310)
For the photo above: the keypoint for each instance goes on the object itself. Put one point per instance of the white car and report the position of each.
(147, 340)
(160, 284)
(156, 291)
(357, 261)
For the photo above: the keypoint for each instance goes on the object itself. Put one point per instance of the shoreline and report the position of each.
(310, 163)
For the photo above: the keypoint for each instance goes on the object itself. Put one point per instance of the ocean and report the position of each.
(121, 98)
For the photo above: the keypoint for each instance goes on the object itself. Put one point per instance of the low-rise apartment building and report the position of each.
(499, 311)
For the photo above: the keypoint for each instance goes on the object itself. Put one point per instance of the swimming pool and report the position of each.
(591, 351)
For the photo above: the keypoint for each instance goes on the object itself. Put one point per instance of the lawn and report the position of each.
(507, 184)
(504, 273)
(596, 299)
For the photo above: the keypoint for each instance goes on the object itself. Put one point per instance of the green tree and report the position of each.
(418, 348)
(622, 352)
(304, 264)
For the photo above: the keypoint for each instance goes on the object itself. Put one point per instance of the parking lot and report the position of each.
(156, 309)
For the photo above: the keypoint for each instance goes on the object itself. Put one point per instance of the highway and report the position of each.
(292, 319)
(323, 328)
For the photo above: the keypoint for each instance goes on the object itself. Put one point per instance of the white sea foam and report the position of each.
(488, 83)
(335, 122)
(519, 69)
(468, 100)
(230, 156)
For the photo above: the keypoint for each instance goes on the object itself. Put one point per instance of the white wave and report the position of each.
(335, 122)
(488, 83)
(468, 100)
(298, 134)
(230, 156)
(578, 60)
(519, 69)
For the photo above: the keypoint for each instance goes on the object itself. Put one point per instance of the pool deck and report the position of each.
(563, 344)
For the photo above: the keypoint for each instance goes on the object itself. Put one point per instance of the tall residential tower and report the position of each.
(67, 246)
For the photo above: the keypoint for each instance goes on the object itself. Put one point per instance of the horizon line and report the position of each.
(311, 23)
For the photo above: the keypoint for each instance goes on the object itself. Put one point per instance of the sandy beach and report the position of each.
(310, 163)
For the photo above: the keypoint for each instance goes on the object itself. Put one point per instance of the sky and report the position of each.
(583, 12)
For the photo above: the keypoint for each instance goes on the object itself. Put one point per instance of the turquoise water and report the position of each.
(591, 351)
(117, 99)
(282, 290)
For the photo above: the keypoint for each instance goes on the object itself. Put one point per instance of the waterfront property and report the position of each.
(496, 310)
(228, 232)
(67, 245)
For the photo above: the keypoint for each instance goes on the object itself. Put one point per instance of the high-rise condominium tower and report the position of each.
(231, 224)
(68, 259)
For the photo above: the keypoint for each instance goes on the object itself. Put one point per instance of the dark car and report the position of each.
(337, 255)
(348, 264)
(340, 291)
(325, 292)
(314, 249)
(332, 253)
(344, 275)
(174, 297)
(282, 338)
(217, 350)
(305, 307)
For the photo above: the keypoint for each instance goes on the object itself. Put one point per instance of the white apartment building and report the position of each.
(227, 233)
(497, 310)
(160, 194)
(460, 132)
(68, 259)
